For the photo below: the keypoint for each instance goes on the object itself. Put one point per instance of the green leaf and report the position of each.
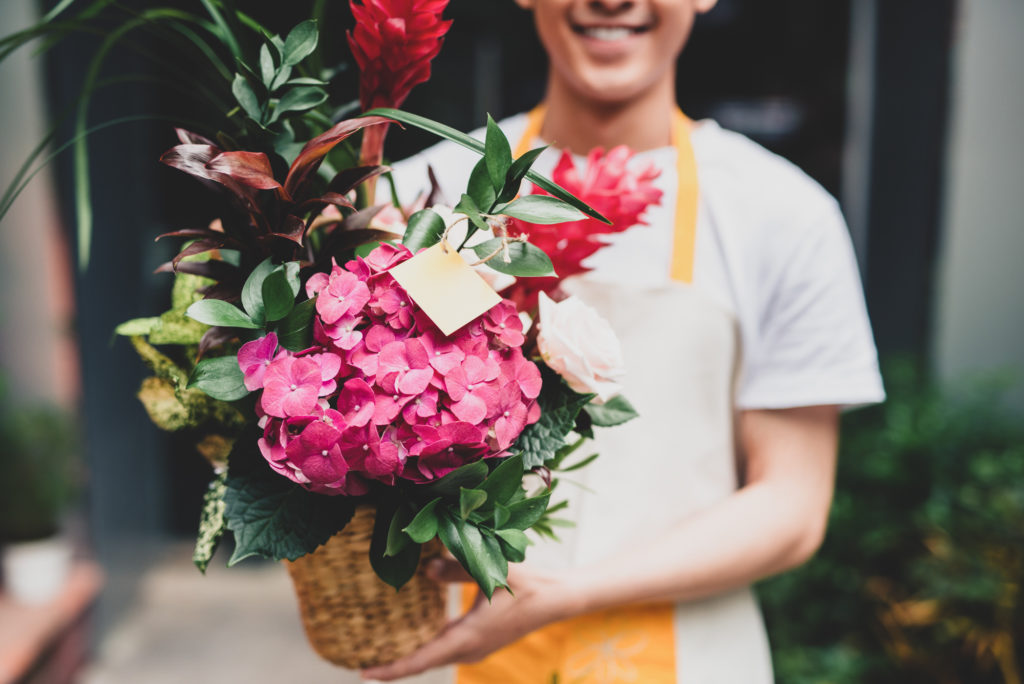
(516, 173)
(397, 539)
(525, 259)
(303, 80)
(423, 527)
(513, 544)
(495, 561)
(449, 133)
(581, 464)
(394, 570)
(267, 68)
(425, 229)
(502, 484)
(220, 377)
(246, 98)
(497, 154)
(298, 99)
(295, 331)
(275, 518)
(542, 209)
(467, 205)
(470, 500)
(465, 542)
(559, 406)
(468, 476)
(524, 514)
(219, 312)
(252, 290)
(211, 523)
(615, 411)
(281, 78)
(291, 272)
(480, 187)
(501, 515)
(278, 295)
(137, 326)
(300, 42)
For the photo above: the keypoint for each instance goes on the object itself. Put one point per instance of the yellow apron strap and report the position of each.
(685, 235)
(534, 122)
(685, 230)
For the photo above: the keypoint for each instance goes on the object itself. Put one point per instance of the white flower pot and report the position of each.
(35, 572)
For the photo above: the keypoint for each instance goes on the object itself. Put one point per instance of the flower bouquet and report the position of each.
(365, 398)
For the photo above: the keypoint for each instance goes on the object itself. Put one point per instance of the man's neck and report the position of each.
(580, 124)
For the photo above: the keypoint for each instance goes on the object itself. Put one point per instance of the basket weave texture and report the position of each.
(351, 617)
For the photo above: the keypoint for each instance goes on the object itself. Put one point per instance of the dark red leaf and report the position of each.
(293, 229)
(435, 196)
(214, 269)
(361, 219)
(316, 149)
(199, 233)
(352, 178)
(197, 247)
(249, 168)
(545, 474)
(188, 137)
(229, 293)
(214, 337)
(193, 159)
(317, 204)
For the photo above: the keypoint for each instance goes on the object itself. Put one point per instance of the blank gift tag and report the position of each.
(448, 290)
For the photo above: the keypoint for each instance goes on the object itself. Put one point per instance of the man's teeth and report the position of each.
(607, 33)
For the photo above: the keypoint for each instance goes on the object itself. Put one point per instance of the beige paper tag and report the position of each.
(448, 290)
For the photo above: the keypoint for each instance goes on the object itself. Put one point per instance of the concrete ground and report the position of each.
(237, 625)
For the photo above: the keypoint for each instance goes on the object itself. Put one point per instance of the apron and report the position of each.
(682, 355)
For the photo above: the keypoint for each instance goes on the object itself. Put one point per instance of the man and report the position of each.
(744, 330)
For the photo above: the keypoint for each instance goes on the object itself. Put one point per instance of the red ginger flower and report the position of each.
(608, 185)
(393, 44)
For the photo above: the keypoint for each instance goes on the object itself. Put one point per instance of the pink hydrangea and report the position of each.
(383, 395)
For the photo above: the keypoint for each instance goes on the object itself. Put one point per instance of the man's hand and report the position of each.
(536, 600)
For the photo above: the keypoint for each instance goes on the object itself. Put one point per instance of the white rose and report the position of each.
(497, 281)
(580, 345)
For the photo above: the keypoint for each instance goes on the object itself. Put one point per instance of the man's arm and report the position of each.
(774, 522)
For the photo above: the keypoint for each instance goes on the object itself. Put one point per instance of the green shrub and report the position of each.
(920, 577)
(39, 471)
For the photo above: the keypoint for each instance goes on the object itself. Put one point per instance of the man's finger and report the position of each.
(441, 651)
(447, 570)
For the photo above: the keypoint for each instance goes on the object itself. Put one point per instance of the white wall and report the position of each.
(980, 305)
(36, 348)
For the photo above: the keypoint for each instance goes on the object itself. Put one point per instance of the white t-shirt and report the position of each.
(772, 248)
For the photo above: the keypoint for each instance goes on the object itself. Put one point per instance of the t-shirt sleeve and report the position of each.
(812, 342)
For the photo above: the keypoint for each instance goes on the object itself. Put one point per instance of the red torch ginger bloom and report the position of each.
(609, 185)
(393, 43)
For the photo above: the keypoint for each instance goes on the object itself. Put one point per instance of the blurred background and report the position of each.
(908, 111)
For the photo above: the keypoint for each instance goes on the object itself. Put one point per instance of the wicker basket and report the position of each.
(352, 618)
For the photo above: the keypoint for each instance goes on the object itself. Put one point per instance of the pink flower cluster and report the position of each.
(383, 394)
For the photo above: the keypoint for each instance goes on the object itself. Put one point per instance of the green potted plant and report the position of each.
(40, 482)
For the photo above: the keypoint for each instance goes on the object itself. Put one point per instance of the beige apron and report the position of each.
(682, 353)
